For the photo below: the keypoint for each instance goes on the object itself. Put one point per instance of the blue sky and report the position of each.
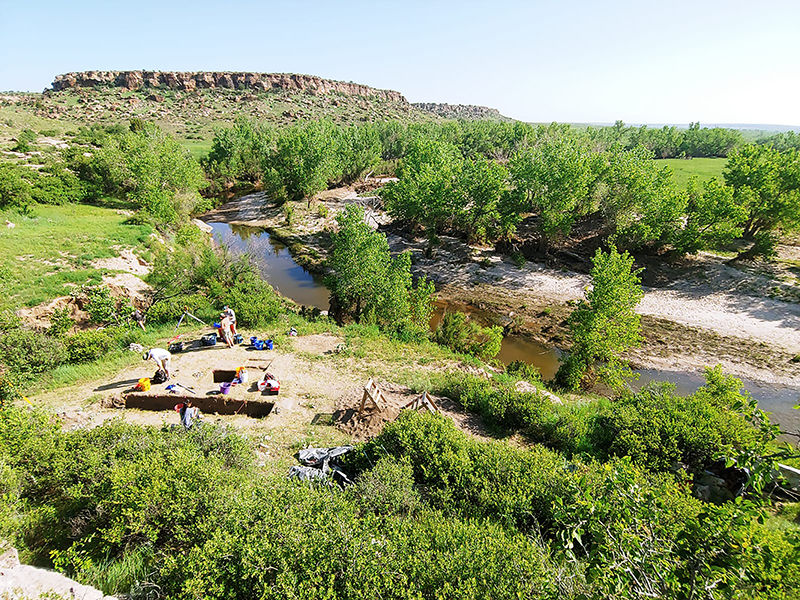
(572, 61)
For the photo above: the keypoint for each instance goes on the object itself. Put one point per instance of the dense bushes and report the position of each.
(171, 309)
(440, 514)
(86, 346)
(197, 276)
(657, 429)
(29, 352)
(654, 427)
(461, 334)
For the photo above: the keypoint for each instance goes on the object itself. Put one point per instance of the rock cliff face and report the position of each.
(461, 111)
(134, 80)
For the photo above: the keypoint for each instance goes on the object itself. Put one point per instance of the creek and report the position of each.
(279, 268)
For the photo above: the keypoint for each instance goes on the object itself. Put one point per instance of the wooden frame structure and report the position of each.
(373, 394)
(423, 401)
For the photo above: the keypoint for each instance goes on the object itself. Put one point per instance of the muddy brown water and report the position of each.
(283, 273)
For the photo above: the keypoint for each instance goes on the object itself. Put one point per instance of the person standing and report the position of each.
(138, 318)
(162, 358)
(226, 330)
(227, 311)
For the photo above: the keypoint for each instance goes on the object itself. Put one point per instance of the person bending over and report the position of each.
(162, 358)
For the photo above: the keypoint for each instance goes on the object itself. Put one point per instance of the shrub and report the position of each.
(656, 428)
(24, 141)
(100, 304)
(523, 370)
(477, 479)
(29, 352)
(86, 346)
(15, 189)
(459, 333)
(255, 302)
(169, 311)
(9, 388)
(388, 488)
(60, 322)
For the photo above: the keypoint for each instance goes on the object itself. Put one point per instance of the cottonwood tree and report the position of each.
(640, 205)
(556, 178)
(370, 286)
(605, 324)
(767, 184)
(713, 217)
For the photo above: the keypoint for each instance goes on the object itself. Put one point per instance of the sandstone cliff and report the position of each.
(134, 80)
(461, 111)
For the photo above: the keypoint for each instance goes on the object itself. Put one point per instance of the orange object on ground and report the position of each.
(144, 384)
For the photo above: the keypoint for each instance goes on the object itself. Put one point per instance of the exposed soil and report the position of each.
(370, 421)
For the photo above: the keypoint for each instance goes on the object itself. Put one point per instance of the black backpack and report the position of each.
(159, 377)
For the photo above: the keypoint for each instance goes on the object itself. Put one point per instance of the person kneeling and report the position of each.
(188, 414)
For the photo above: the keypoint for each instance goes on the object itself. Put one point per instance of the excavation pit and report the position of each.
(217, 404)
(221, 375)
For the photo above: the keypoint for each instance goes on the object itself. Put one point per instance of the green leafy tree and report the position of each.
(238, 153)
(369, 285)
(766, 183)
(640, 205)
(305, 158)
(713, 217)
(428, 192)
(359, 150)
(151, 168)
(484, 184)
(557, 178)
(605, 324)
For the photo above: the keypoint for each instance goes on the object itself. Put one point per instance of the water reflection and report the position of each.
(274, 262)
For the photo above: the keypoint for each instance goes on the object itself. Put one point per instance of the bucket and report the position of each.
(258, 345)
(268, 344)
(225, 387)
(144, 384)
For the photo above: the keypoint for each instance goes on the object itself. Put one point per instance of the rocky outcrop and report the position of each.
(134, 80)
(461, 111)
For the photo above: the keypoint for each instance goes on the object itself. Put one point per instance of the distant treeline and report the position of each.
(479, 179)
(476, 179)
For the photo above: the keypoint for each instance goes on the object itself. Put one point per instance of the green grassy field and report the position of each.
(704, 168)
(51, 251)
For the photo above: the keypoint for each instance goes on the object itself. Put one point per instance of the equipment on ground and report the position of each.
(269, 384)
(176, 347)
(258, 344)
(160, 376)
(185, 313)
(209, 339)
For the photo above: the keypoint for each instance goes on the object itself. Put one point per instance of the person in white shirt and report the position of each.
(162, 358)
(227, 311)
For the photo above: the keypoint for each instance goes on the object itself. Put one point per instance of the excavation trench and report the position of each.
(216, 404)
